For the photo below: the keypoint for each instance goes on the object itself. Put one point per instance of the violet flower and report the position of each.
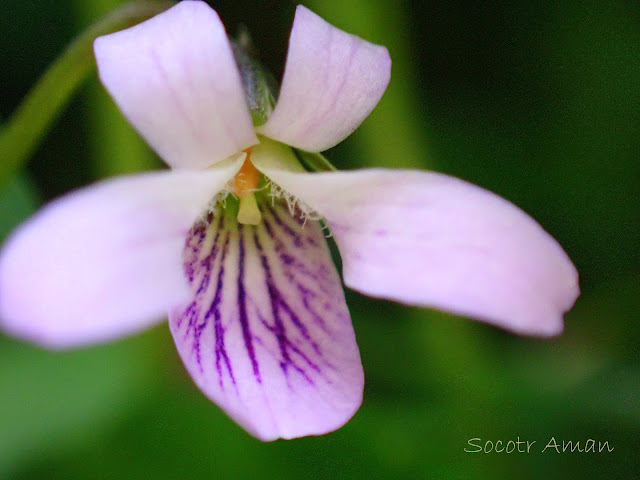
(255, 303)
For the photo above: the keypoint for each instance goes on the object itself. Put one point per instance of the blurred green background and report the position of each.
(537, 101)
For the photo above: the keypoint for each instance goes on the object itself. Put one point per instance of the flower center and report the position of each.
(244, 185)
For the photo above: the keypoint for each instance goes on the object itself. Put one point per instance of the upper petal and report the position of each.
(175, 79)
(433, 240)
(267, 335)
(106, 260)
(332, 81)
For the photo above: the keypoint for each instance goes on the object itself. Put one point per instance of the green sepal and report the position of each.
(314, 161)
(260, 87)
(260, 90)
(230, 206)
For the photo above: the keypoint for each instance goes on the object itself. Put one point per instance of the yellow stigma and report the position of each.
(249, 213)
(244, 184)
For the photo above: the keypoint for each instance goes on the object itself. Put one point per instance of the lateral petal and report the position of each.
(268, 336)
(104, 261)
(332, 81)
(175, 79)
(434, 240)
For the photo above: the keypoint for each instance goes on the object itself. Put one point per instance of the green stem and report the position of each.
(315, 162)
(33, 117)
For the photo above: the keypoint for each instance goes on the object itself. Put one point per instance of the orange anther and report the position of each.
(247, 178)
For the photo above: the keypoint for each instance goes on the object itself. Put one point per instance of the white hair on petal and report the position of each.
(327, 228)
(294, 204)
(211, 209)
(275, 192)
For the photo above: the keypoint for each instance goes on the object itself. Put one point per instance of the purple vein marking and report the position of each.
(289, 261)
(290, 265)
(297, 241)
(306, 293)
(191, 255)
(242, 306)
(302, 268)
(192, 249)
(209, 260)
(278, 327)
(197, 323)
(214, 309)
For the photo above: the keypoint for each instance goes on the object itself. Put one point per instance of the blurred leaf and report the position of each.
(18, 200)
(53, 401)
(114, 146)
(31, 120)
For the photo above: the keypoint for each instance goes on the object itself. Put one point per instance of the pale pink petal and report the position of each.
(332, 81)
(433, 240)
(175, 79)
(104, 261)
(268, 336)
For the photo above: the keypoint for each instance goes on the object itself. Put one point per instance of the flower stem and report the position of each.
(315, 162)
(31, 120)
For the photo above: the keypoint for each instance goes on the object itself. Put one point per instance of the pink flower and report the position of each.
(255, 304)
